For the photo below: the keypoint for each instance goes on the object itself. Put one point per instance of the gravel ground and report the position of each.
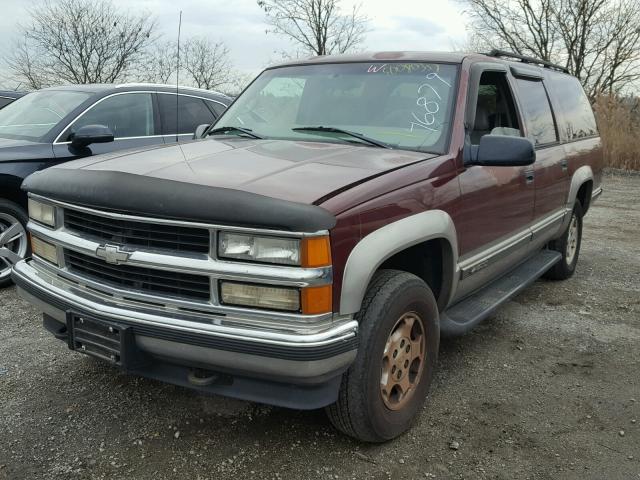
(548, 388)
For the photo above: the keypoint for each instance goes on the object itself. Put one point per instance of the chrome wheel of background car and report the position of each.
(14, 243)
(402, 361)
(572, 240)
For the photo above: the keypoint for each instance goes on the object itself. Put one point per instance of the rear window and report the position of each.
(579, 121)
(537, 112)
(192, 112)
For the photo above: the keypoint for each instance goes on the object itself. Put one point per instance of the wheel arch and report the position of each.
(395, 241)
(10, 188)
(581, 187)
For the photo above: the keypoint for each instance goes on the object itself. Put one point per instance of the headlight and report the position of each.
(305, 252)
(45, 250)
(283, 251)
(249, 295)
(42, 212)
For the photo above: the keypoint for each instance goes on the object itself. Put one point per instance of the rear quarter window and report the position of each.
(578, 120)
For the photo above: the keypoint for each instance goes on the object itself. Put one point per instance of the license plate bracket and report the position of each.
(108, 341)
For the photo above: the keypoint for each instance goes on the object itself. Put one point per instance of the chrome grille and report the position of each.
(146, 280)
(138, 234)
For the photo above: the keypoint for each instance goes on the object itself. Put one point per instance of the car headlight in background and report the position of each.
(305, 252)
(44, 250)
(42, 212)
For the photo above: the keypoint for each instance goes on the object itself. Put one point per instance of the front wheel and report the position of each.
(383, 391)
(14, 242)
(569, 246)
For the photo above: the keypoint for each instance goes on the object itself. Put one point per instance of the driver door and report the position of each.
(497, 203)
(132, 117)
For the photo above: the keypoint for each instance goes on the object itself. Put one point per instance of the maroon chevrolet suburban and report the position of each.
(312, 248)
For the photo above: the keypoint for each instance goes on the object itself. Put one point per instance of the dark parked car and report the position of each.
(59, 124)
(9, 96)
(346, 213)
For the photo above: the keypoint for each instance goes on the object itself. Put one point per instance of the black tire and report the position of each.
(360, 410)
(566, 267)
(9, 210)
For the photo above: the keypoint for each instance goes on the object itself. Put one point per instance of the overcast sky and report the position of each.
(395, 25)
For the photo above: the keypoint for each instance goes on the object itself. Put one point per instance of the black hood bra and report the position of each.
(161, 198)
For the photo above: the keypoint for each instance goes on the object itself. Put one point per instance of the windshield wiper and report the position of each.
(229, 128)
(320, 128)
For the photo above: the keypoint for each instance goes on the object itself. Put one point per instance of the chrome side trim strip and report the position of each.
(596, 194)
(483, 259)
(502, 249)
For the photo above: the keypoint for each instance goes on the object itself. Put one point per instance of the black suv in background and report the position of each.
(59, 124)
(9, 96)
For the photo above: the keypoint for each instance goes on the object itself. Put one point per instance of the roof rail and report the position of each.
(181, 87)
(524, 59)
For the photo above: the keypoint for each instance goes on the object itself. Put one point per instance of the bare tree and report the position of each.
(206, 62)
(80, 41)
(318, 26)
(597, 40)
(160, 63)
(238, 81)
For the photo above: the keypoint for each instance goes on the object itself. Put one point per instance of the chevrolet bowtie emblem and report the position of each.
(112, 254)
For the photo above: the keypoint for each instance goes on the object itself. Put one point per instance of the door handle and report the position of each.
(529, 176)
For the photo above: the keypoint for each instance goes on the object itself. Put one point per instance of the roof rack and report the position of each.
(524, 59)
(181, 87)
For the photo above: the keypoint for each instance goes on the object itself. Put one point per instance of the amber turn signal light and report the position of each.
(316, 300)
(316, 252)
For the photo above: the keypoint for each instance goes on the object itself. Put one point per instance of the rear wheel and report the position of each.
(14, 242)
(384, 390)
(569, 246)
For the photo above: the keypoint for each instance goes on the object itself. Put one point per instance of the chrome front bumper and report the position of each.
(191, 339)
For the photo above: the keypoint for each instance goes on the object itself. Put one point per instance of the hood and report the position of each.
(17, 150)
(289, 170)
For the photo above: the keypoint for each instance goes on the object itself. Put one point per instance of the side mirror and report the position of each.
(200, 129)
(89, 134)
(503, 151)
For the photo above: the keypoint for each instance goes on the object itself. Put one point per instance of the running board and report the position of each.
(466, 314)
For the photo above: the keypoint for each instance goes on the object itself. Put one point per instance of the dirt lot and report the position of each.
(547, 389)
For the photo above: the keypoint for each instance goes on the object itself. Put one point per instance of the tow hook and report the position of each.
(203, 378)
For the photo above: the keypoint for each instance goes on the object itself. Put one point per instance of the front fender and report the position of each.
(378, 246)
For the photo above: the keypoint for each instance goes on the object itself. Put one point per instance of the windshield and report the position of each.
(33, 116)
(402, 105)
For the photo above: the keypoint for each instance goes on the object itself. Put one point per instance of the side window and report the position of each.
(579, 121)
(127, 115)
(495, 109)
(192, 112)
(5, 101)
(216, 108)
(537, 111)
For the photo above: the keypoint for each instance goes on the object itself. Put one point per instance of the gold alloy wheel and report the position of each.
(402, 361)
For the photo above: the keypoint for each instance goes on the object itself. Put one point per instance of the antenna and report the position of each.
(178, 78)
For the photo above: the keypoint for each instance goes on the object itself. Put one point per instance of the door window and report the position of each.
(537, 112)
(495, 109)
(127, 115)
(216, 108)
(192, 112)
